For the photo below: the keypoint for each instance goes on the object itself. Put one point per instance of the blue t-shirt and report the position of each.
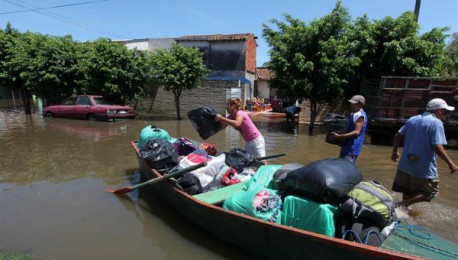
(353, 146)
(418, 158)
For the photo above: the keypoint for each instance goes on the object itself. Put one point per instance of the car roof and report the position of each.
(87, 96)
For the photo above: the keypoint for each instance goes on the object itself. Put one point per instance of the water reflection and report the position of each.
(53, 173)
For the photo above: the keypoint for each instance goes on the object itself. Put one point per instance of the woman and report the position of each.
(240, 120)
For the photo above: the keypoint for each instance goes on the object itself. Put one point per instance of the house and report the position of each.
(231, 59)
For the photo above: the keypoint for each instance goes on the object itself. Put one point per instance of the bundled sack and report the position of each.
(262, 203)
(335, 123)
(160, 154)
(207, 173)
(327, 180)
(238, 159)
(369, 199)
(151, 132)
(203, 121)
(184, 146)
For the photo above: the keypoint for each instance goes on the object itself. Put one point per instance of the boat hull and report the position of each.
(263, 239)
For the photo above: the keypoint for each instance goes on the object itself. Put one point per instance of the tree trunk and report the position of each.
(152, 95)
(313, 114)
(25, 95)
(177, 106)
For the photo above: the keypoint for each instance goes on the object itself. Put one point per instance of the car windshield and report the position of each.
(101, 101)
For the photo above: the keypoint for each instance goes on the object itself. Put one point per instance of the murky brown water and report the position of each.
(53, 173)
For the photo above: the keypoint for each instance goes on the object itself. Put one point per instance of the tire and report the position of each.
(91, 117)
(49, 114)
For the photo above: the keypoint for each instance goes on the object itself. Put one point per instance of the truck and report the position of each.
(400, 98)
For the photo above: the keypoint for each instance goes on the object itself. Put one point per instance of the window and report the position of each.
(70, 101)
(83, 101)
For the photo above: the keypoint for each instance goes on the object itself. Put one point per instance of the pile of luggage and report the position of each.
(328, 197)
(167, 154)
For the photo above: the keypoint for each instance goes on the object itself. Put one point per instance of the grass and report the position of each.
(7, 255)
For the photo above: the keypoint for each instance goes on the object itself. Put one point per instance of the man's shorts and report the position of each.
(411, 185)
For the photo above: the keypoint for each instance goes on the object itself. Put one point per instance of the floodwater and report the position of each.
(53, 173)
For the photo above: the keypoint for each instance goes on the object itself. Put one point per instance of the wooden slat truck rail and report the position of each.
(399, 98)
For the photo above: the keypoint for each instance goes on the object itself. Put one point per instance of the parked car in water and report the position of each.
(91, 107)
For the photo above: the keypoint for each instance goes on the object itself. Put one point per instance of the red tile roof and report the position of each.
(216, 37)
(263, 73)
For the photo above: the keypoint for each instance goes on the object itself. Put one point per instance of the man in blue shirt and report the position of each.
(354, 138)
(417, 176)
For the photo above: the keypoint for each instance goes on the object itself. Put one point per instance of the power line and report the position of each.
(32, 8)
(51, 7)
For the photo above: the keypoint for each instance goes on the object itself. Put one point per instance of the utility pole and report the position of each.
(417, 9)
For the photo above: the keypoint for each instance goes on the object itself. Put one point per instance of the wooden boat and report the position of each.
(268, 240)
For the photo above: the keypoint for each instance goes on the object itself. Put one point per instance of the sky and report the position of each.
(140, 19)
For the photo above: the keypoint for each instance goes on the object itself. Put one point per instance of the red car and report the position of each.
(89, 107)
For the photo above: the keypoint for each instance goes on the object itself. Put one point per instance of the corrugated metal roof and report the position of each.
(216, 37)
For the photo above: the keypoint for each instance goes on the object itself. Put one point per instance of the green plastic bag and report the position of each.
(151, 132)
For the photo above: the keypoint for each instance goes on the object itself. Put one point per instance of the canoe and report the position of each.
(268, 240)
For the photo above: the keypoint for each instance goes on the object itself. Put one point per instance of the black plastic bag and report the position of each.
(190, 184)
(327, 180)
(238, 158)
(203, 121)
(160, 154)
(335, 123)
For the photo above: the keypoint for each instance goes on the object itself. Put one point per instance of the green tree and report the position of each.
(111, 70)
(51, 70)
(311, 62)
(177, 69)
(393, 47)
(452, 54)
(10, 69)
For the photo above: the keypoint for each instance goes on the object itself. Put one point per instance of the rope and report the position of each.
(422, 233)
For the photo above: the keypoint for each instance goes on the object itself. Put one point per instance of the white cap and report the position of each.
(357, 99)
(438, 103)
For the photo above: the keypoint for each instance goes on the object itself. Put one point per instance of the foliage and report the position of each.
(50, 66)
(9, 71)
(452, 55)
(393, 47)
(4, 254)
(311, 62)
(402, 52)
(111, 70)
(332, 54)
(177, 69)
(56, 67)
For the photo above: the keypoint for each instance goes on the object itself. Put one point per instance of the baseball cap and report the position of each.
(357, 99)
(438, 103)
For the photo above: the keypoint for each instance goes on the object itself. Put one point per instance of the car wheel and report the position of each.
(49, 114)
(91, 117)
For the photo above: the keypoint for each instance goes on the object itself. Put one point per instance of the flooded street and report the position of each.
(53, 173)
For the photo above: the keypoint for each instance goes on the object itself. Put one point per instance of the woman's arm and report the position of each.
(226, 121)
